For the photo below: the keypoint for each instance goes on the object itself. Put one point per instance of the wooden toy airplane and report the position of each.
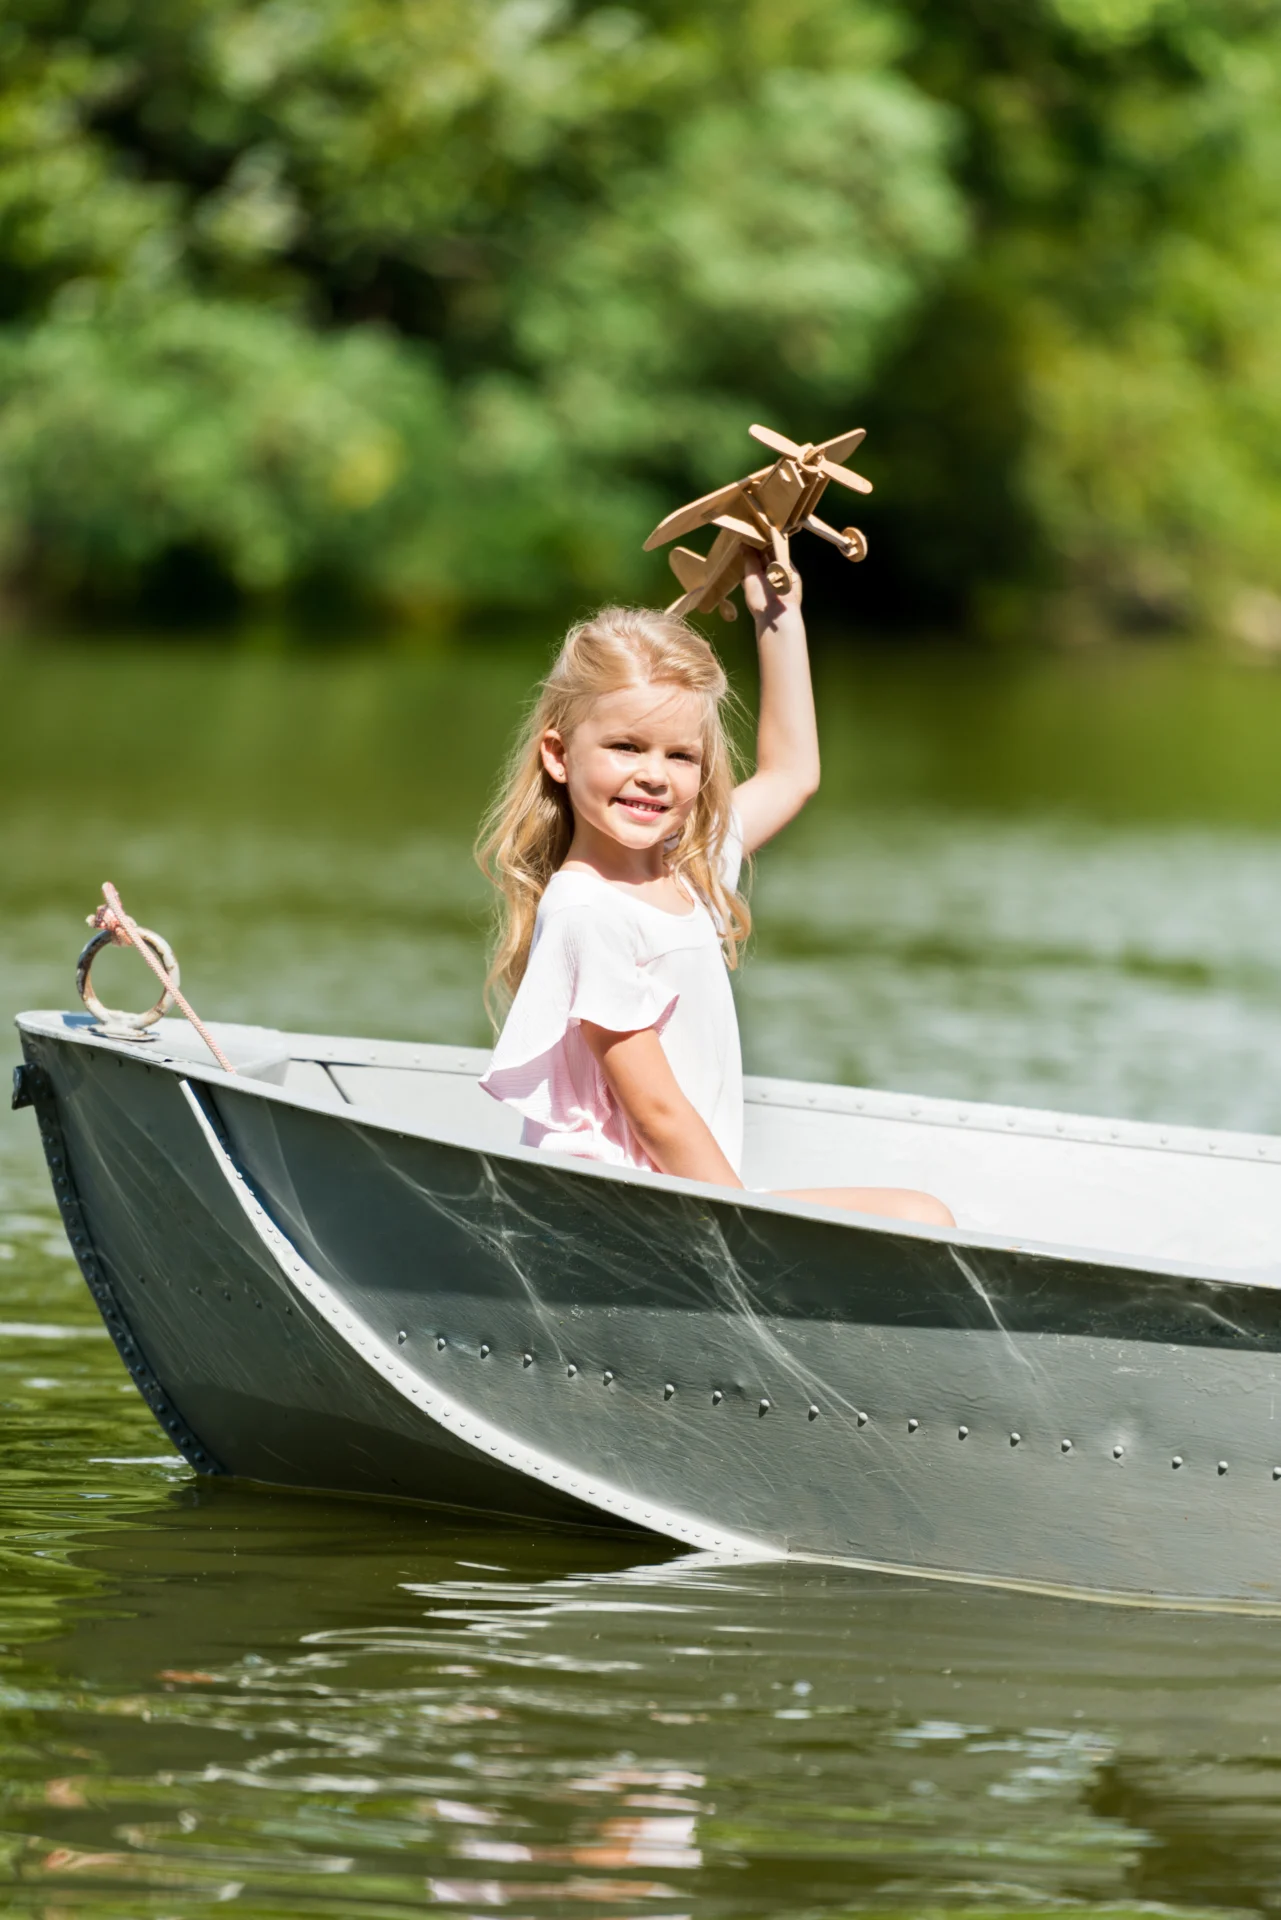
(760, 513)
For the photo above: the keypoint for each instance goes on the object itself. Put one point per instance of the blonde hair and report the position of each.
(527, 831)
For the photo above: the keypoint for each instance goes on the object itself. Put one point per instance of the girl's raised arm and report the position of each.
(787, 764)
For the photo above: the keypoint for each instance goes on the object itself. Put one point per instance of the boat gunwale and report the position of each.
(1059, 1126)
(78, 1030)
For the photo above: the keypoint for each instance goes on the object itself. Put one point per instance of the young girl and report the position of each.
(615, 845)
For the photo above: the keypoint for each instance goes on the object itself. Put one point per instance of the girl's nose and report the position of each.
(652, 771)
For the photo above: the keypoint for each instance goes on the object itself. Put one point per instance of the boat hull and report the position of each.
(322, 1300)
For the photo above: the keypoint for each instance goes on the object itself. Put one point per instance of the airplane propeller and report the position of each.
(815, 458)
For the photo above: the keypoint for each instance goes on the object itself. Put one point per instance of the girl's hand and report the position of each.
(765, 604)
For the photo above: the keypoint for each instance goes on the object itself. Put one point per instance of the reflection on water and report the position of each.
(1053, 881)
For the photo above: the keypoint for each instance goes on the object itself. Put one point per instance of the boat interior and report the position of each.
(1179, 1197)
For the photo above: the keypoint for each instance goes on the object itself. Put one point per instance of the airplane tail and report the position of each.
(690, 568)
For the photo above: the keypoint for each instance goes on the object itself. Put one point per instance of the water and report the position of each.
(1050, 880)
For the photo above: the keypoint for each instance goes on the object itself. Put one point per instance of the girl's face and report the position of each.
(633, 765)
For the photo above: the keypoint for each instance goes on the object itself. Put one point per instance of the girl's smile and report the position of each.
(639, 807)
(633, 767)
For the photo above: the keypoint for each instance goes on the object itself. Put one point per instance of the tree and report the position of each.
(1094, 394)
(443, 302)
(445, 299)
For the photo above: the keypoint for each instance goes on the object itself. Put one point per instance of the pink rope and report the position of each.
(123, 929)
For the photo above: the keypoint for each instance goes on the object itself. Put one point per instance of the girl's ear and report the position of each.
(552, 751)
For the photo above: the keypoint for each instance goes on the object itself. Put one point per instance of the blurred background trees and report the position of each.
(437, 305)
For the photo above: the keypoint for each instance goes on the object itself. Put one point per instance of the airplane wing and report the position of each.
(696, 514)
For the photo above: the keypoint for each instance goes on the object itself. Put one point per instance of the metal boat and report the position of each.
(335, 1267)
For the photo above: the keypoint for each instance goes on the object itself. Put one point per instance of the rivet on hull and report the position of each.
(1065, 1446)
(962, 1433)
(763, 1409)
(813, 1413)
(526, 1359)
(607, 1376)
(861, 1418)
(1015, 1438)
(912, 1425)
(1177, 1460)
(1276, 1473)
(485, 1350)
(717, 1397)
(440, 1343)
(401, 1337)
(1118, 1453)
(1223, 1466)
(668, 1391)
(571, 1370)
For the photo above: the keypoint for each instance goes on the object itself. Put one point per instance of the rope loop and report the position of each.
(114, 1022)
(113, 927)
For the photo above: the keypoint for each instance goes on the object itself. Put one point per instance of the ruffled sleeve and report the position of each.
(584, 966)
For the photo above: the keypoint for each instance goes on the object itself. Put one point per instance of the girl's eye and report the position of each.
(622, 746)
(683, 753)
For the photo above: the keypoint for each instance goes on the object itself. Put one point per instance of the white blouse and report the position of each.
(600, 954)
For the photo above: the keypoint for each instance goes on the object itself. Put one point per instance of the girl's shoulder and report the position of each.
(577, 896)
(579, 904)
(570, 886)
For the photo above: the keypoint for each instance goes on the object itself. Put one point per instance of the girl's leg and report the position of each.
(895, 1203)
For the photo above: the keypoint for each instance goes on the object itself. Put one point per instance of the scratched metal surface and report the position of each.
(1056, 882)
(391, 1314)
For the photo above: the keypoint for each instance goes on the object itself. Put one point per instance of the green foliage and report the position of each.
(443, 302)
(141, 428)
(1125, 156)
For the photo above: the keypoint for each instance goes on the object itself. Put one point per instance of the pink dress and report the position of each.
(602, 955)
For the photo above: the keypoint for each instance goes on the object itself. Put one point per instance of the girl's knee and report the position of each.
(927, 1211)
(906, 1203)
(891, 1203)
